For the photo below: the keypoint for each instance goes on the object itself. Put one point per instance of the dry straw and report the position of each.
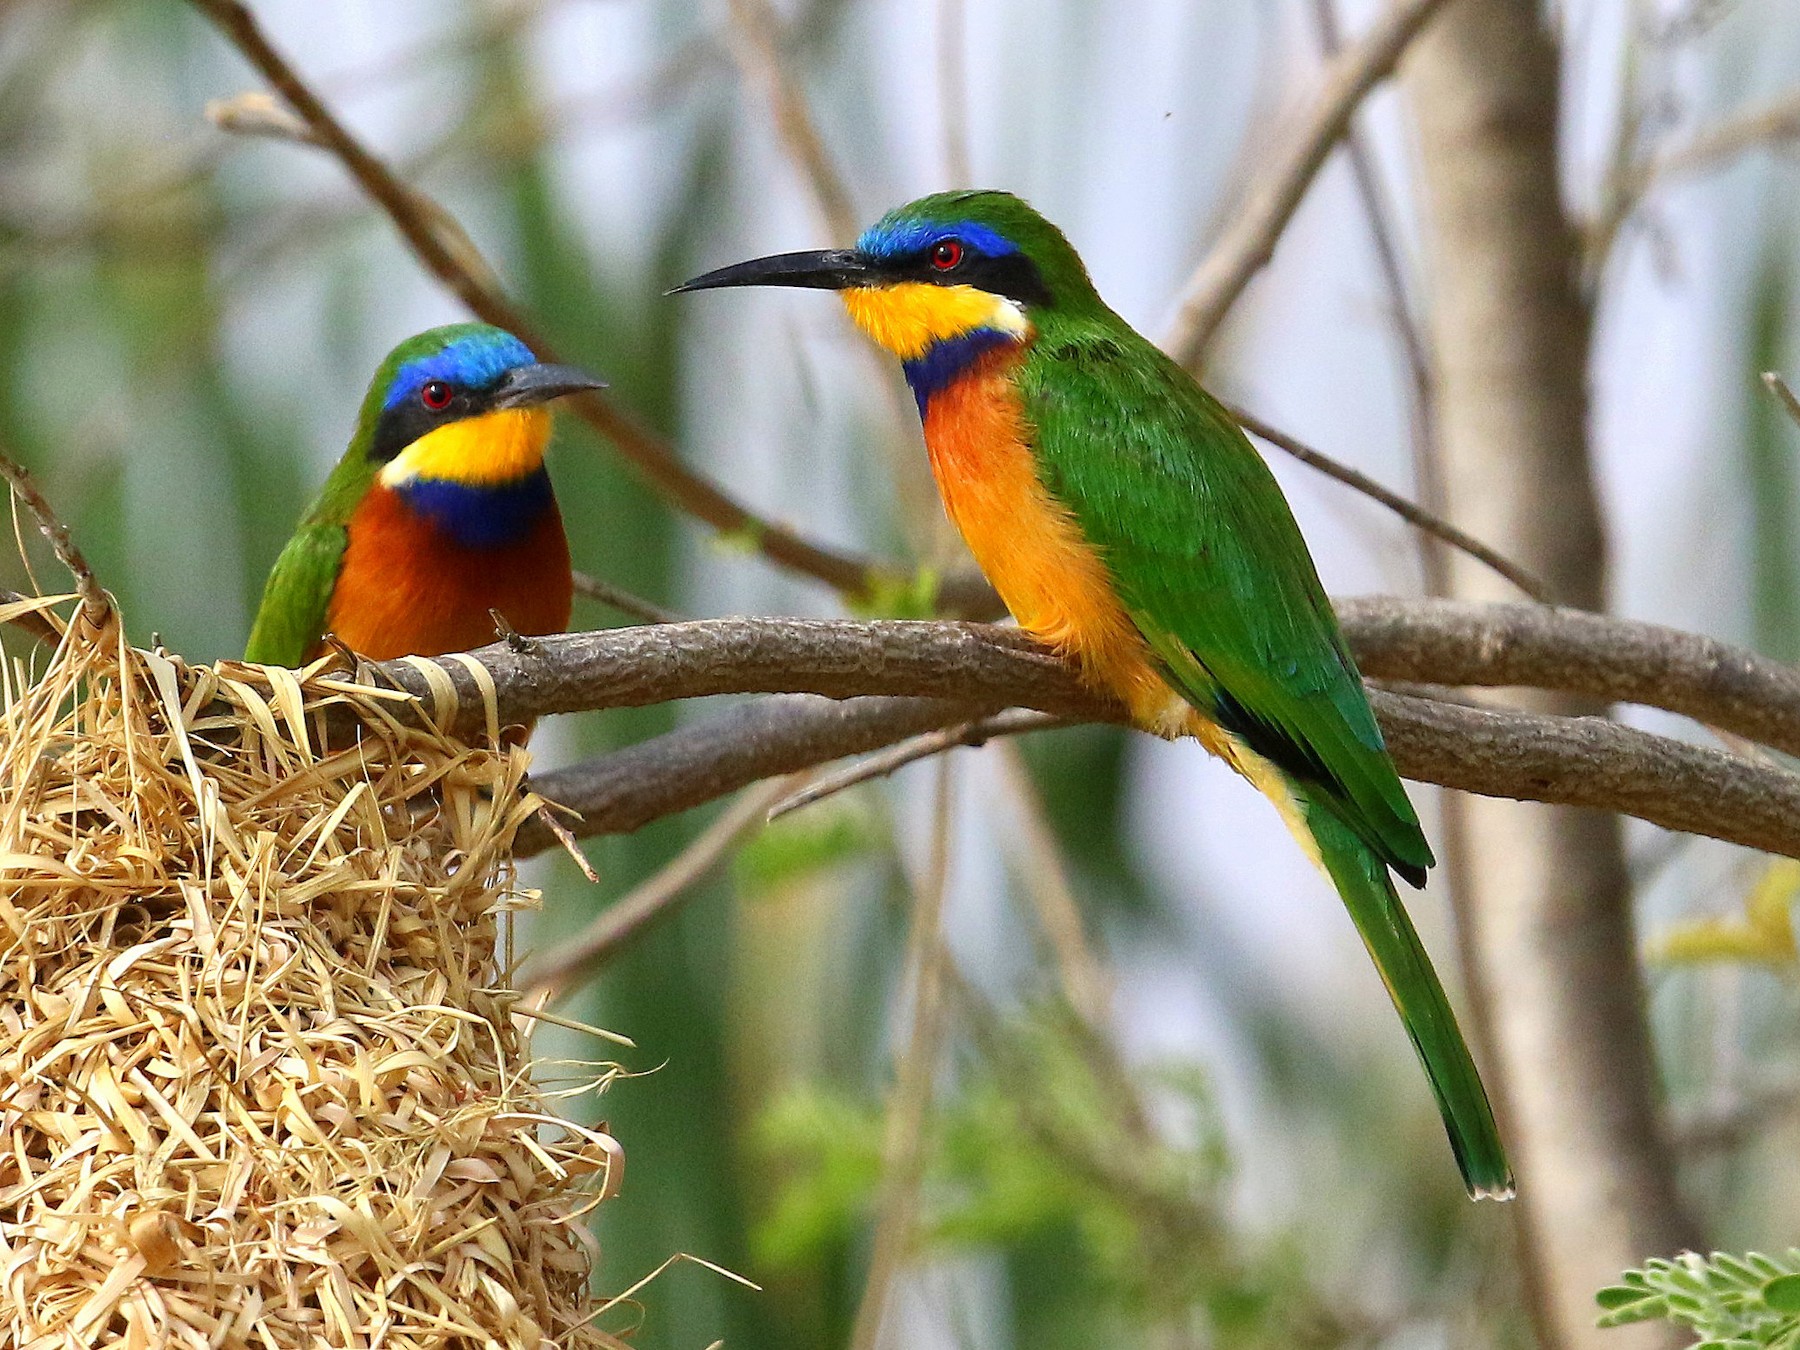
(260, 1083)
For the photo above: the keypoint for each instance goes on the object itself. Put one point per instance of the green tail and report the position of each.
(1368, 892)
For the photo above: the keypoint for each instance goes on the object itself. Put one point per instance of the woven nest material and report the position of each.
(259, 1083)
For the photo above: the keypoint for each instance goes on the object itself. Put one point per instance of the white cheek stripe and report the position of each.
(1009, 317)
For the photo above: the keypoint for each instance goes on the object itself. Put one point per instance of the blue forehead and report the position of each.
(898, 238)
(475, 361)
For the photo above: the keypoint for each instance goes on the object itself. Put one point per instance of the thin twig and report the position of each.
(30, 621)
(1250, 241)
(1715, 147)
(622, 600)
(546, 816)
(1013, 722)
(613, 929)
(446, 252)
(1384, 235)
(953, 91)
(758, 47)
(1779, 387)
(1038, 855)
(1412, 513)
(903, 1143)
(761, 57)
(62, 543)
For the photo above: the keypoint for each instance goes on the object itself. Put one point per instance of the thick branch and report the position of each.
(1526, 756)
(709, 759)
(988, 667)
(898, 680)
(1574, 651)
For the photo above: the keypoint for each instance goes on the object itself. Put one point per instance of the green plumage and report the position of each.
(1208, 561)
(1200, 549)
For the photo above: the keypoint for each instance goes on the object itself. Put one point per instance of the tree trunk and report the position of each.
(1543, 893)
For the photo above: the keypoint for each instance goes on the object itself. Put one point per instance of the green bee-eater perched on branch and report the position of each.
(1125, 520)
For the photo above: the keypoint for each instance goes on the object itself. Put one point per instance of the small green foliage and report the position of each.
(1749, 1302)
(833, 1148)
(804, 843)
(742, 542)
(899, 595)
(1046, 1147)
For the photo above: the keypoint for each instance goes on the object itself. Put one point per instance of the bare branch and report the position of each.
(446, 252)
(574, 960)
(758, 48)
(901, 680)
(971, 735)
(714, 757)
(1525, 756)
(1574, 651)
(622, 600)
(915, 1076)
(93, 600)
(1593, 762)
(1779, 387)
(985, 668)
(1412, 513)
(1249, 243)
(1716, 147)
(1384, 235)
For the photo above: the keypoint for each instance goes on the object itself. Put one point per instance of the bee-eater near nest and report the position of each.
(1126, 521)
(439, 514)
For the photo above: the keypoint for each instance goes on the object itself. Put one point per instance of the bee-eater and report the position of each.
(1126, 521)
(439, 512)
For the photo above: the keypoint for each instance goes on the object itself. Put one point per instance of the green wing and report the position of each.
(291, 619)
(1209, 562)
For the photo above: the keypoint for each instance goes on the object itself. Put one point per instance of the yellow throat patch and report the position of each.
(912, 317)
(496, 447)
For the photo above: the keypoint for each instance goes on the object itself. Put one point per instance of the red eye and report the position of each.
(946, 254)
(436, 395)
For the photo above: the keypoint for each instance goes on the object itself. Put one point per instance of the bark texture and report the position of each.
(1543, 892)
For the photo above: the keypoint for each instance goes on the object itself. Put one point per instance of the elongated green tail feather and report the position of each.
(1368, 892)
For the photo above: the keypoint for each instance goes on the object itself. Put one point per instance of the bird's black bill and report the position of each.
(526, 386)
(832, 269)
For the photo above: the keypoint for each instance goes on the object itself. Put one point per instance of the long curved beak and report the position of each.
(832, 269)
(526, 386)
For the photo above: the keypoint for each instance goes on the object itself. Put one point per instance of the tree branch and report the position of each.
(986, 667)
(900, 680)
(1714, 147)
(1434, 526)
(1249, 243)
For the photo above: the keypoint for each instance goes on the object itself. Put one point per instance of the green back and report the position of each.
(1210, 564)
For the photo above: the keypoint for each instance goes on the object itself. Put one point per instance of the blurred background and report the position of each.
(1190, 1118)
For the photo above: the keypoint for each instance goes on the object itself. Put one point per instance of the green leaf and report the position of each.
(1618, 1296)
(1783, 1294)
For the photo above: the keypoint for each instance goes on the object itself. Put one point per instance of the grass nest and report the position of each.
(261, 1081)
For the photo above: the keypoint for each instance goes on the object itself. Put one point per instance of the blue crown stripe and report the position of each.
(474, 362)
(896, 239)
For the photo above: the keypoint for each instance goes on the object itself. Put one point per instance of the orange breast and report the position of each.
(1028, 544)
(408, 588)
